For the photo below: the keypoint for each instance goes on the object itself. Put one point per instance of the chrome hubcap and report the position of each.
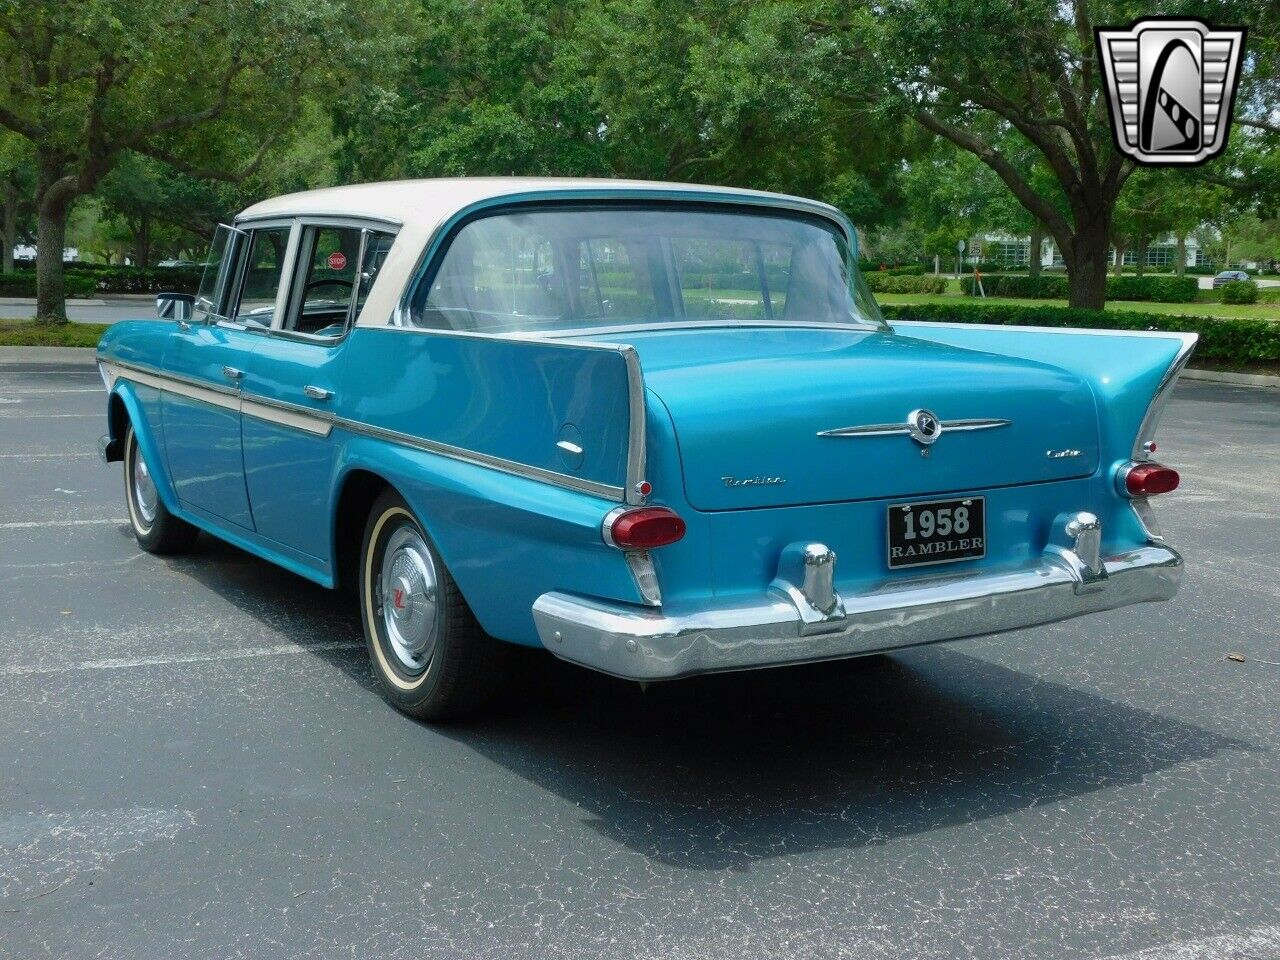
(144, 488)
(408, 592)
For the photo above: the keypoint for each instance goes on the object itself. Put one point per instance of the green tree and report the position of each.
(16, 183)
(198, 84)
(962, 68)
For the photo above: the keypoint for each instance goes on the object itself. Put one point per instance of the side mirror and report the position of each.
(175, 306)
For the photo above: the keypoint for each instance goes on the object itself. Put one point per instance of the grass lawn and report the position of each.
(28, 333)
(1256, 311)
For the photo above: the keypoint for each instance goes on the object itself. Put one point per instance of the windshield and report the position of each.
(572, 269)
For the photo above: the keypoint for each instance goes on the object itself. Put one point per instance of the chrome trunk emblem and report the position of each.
(922, 426)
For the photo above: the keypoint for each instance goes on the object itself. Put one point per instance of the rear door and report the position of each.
(290, 390)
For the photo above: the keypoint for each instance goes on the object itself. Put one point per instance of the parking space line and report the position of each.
(43, 456)
(244, 653)
(30, 524)
(1250, 945)
(46, 391)
(52, 416)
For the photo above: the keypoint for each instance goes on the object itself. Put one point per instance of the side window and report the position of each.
(264, 268)
(328, 262)
(376, 247)
(219, 271)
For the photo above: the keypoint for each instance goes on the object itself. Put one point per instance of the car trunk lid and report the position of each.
(769, 417)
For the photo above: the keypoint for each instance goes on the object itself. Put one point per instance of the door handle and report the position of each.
(317, 393)
(232, 373)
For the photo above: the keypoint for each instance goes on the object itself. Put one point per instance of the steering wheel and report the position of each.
(325, 282)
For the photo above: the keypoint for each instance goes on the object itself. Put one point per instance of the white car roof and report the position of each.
(419, 208)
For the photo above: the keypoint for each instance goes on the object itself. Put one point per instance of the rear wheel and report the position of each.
(432, 658)
(156, 529)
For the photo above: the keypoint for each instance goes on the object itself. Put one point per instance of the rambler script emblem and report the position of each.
(753, 481)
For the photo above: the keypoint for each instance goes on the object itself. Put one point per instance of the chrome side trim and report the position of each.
(893, 429)
(321, 423)
(287, 415)
(1150, 420)
(603, 490)
(215, 395)
(636, 453)
(641, 643)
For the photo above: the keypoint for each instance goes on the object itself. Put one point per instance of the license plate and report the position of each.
(940, 531)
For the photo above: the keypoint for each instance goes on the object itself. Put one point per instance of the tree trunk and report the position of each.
(54, 196)
(1034, 249)
(142, 242)
(1087, 266)
(1120, 249)
(1181, 266)
(1140, 259)
(9, 227)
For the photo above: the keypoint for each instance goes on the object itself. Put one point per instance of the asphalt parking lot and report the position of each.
(194, 760)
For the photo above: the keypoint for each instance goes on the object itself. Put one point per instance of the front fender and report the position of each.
(137, 401)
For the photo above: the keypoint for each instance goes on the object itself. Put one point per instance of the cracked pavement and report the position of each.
(195, 762)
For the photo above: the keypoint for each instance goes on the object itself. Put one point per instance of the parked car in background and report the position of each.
(657, 429)
(1229, 276)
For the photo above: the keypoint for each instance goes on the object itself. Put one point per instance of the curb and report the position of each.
(57, 355)
(71, 301)
(1236, 379)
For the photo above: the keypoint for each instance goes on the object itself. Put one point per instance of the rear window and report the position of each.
(582, 268)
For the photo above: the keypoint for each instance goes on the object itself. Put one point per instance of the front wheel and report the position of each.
(431, 656)
(156, 529)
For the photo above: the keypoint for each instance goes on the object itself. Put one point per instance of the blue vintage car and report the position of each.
(657, 429)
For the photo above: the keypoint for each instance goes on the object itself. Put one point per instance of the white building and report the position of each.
(27, 252)
(1015, 252)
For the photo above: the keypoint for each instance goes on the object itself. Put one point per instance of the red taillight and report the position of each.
(645, 528)
(1148, 479)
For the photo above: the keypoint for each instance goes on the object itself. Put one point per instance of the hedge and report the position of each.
(159, 280)
(1230, 342)
(1239, 291)
(23, 284)
(888, 283)
(97, 281)
(1020, 285)
(1155, 289)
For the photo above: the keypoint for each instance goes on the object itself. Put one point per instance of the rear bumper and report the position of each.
(640, 643)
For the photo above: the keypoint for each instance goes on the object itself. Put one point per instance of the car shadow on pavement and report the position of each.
(721, 771)
(718, 772)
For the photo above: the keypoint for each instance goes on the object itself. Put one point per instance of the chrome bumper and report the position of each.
(783, 627)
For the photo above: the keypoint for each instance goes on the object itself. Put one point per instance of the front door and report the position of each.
(207, 363)
(201, 417)
(292, 388)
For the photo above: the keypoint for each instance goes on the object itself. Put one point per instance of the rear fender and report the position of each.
(1131, 373)
(505, 539)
